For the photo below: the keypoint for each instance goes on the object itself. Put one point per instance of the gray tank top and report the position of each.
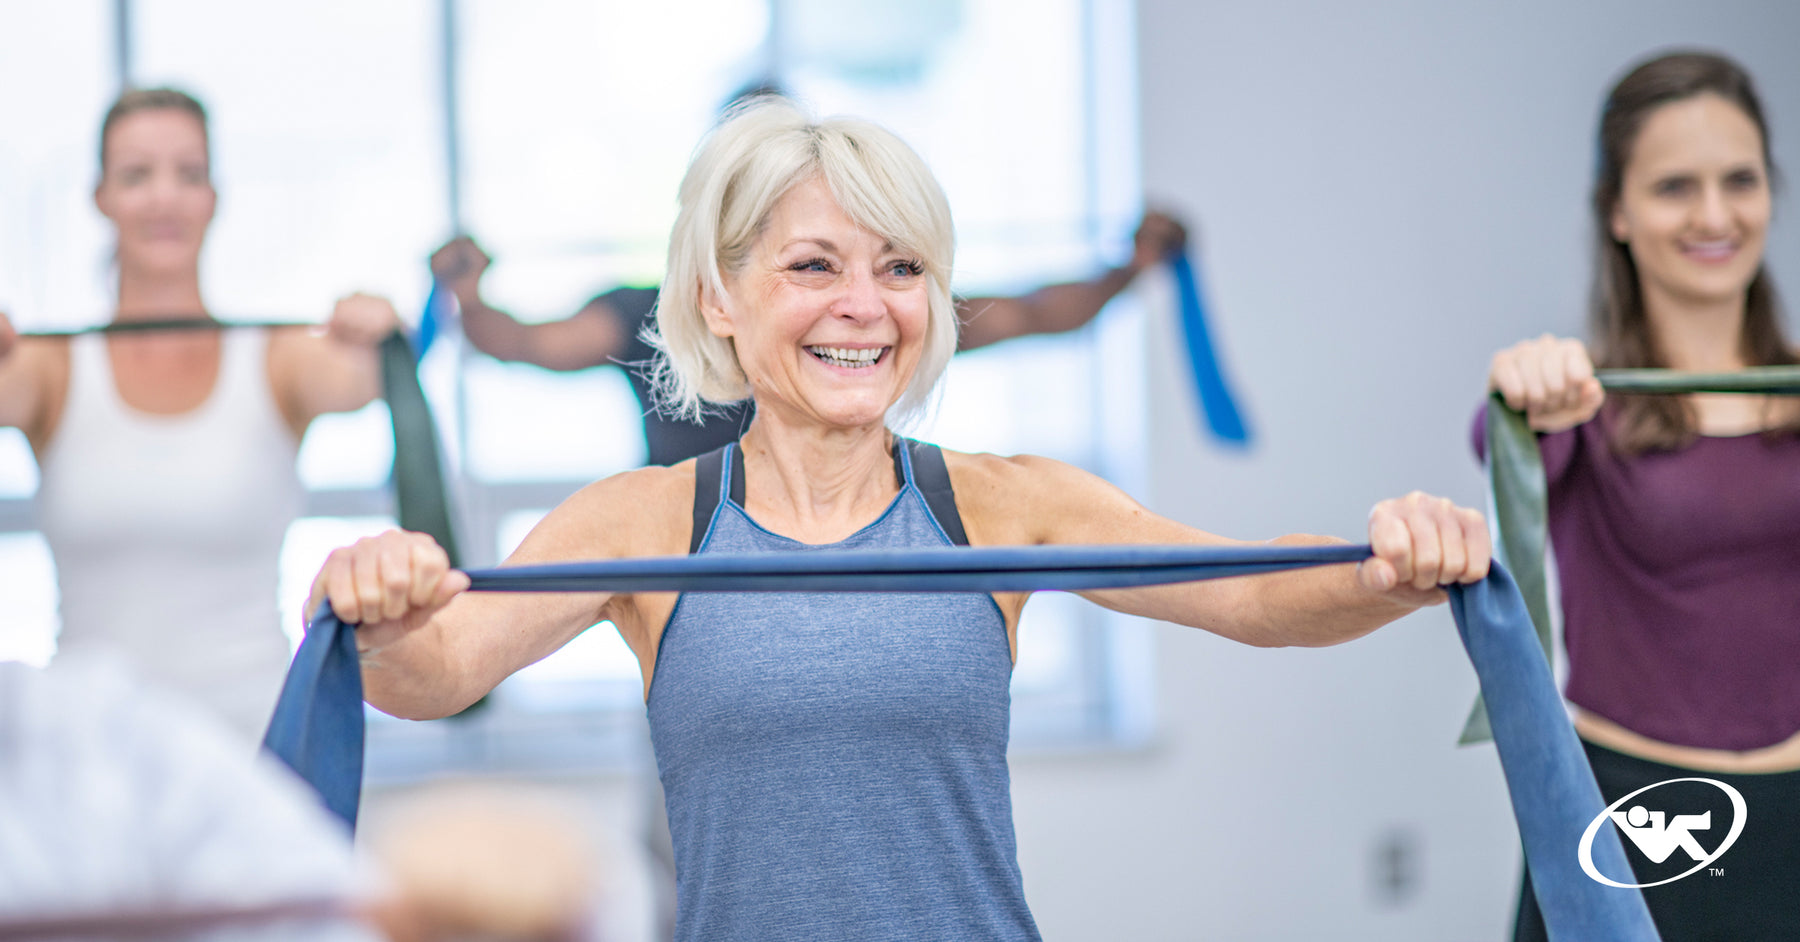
(835, 763)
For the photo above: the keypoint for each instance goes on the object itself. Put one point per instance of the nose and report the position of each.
(160, 189)
(1713, 213)
(859, 298)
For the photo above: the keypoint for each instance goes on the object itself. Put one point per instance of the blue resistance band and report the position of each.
(1221, 412)
(318, 723)
(1554, 795)
(430, 319)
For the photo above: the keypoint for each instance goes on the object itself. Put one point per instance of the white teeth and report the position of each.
(847, 357)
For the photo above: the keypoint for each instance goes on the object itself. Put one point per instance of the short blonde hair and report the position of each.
(758, 152)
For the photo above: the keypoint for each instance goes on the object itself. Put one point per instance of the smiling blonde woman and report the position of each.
(835, 764)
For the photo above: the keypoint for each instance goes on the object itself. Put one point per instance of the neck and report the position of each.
(146, 294)
(816, 484)
(1700, 335)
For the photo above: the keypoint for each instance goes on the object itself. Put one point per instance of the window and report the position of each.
(557, 132)
(56, 60)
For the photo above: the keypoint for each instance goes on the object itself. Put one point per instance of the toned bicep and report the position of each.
(640, 513)
(1102, 514)
(312, 375)
(1028, 500)
(1038, 501)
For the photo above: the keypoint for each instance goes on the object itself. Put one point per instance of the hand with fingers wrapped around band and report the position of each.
(1550, 379)
(1421, 543)
(362, 320)
(387, 585)
(802, 736)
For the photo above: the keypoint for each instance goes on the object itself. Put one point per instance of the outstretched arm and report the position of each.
(430, 649)
(592, 336)
(21, 394)
(337, 370)
(1062, 307)
(1420, 543)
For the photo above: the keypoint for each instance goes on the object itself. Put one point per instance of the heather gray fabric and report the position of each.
(835, 763)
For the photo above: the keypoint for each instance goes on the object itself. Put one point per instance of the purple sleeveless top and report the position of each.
(1680, 575)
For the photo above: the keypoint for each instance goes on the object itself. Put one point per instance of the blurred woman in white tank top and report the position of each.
(167, 457)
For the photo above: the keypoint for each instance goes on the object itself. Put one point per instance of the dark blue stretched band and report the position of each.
(984, 569)
(317, 727)
(318, 724)
(1216, 404)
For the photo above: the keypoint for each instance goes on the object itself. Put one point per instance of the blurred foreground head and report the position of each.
(469, 861)
(126, 813)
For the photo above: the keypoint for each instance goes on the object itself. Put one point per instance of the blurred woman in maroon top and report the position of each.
(1676, 519)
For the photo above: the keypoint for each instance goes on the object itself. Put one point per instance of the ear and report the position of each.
(1620, 226)
(716, 307)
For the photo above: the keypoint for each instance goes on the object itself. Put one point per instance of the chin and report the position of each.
(162, 260)
(857, 420)
(1722, 287)
(859, 415)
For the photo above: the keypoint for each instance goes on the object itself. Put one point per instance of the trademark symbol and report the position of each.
(1716, 871)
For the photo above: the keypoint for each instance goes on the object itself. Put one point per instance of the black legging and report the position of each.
(1756, 898)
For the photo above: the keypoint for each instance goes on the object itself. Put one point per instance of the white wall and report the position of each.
(1388, 191)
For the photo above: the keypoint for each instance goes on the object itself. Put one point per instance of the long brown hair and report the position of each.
(1617, 322)
(134, 100)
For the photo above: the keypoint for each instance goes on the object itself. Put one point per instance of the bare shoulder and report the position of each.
(292, 352)
(991, 478)
(644, 512)
(34, 384)
(290, 337)
(298, 345)
(1027, 499)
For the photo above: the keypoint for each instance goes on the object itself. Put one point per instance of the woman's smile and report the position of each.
(851, 358)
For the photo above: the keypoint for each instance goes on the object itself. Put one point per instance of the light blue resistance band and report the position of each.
(1216, 403)
(318, 724)
(430, 318)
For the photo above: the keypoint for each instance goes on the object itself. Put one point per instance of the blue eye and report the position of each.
(906, 269)
(811, 264)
